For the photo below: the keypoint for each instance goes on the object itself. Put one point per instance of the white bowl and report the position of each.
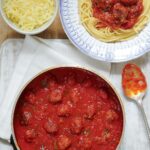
(33, 32)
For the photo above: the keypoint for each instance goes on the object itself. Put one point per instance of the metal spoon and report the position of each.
(134, 85)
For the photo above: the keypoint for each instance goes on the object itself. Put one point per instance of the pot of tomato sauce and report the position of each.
(68, 108)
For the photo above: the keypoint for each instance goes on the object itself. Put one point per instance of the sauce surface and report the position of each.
(133, 80)
(68, 109)
(117, 14)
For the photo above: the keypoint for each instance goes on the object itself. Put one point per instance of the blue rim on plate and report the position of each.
(87, 44)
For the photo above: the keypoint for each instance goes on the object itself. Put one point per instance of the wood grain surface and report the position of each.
(55, 31)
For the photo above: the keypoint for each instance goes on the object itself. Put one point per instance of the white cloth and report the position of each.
(35, 57)
(21, 60)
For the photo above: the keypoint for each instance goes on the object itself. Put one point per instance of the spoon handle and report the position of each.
(144, 117)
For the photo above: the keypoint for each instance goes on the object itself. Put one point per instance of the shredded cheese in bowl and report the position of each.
(29, 14)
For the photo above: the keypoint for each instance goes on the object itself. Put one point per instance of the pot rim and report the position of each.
(68, 66)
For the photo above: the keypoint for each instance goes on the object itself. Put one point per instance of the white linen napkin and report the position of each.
(33, 58)
(135, 137)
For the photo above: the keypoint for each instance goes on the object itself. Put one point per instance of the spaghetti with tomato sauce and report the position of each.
(114, 20)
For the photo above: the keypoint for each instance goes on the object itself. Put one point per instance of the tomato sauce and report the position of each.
(68, 109)
(117, 14)
(133, 80)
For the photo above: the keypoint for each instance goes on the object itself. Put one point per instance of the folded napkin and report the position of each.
(21, 60)
(35, 56)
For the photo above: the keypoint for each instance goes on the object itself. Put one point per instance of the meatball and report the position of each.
(85, 143)
(103, 94)
(71, 79)
(75, 95)
(56, 95)
(90, 111)
(135, 11)
(63, 110)
(105, 5)
(30, 135)
(76, 125)
(50, 126)
(72, 94)
(63, 142)
(105, 136)
(109, 4)
(30, 98)
(87, 83)
(129, 2)
(52, 81)
(25, 118)
(120, 13)
(44, 82)
(111, 115)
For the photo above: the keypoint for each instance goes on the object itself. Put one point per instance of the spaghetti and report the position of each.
(95, 18)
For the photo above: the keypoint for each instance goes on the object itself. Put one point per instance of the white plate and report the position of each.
(110, 52)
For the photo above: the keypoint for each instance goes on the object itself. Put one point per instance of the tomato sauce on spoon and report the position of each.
(134, 81)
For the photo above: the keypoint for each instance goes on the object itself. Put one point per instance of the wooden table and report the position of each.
(54, 31)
